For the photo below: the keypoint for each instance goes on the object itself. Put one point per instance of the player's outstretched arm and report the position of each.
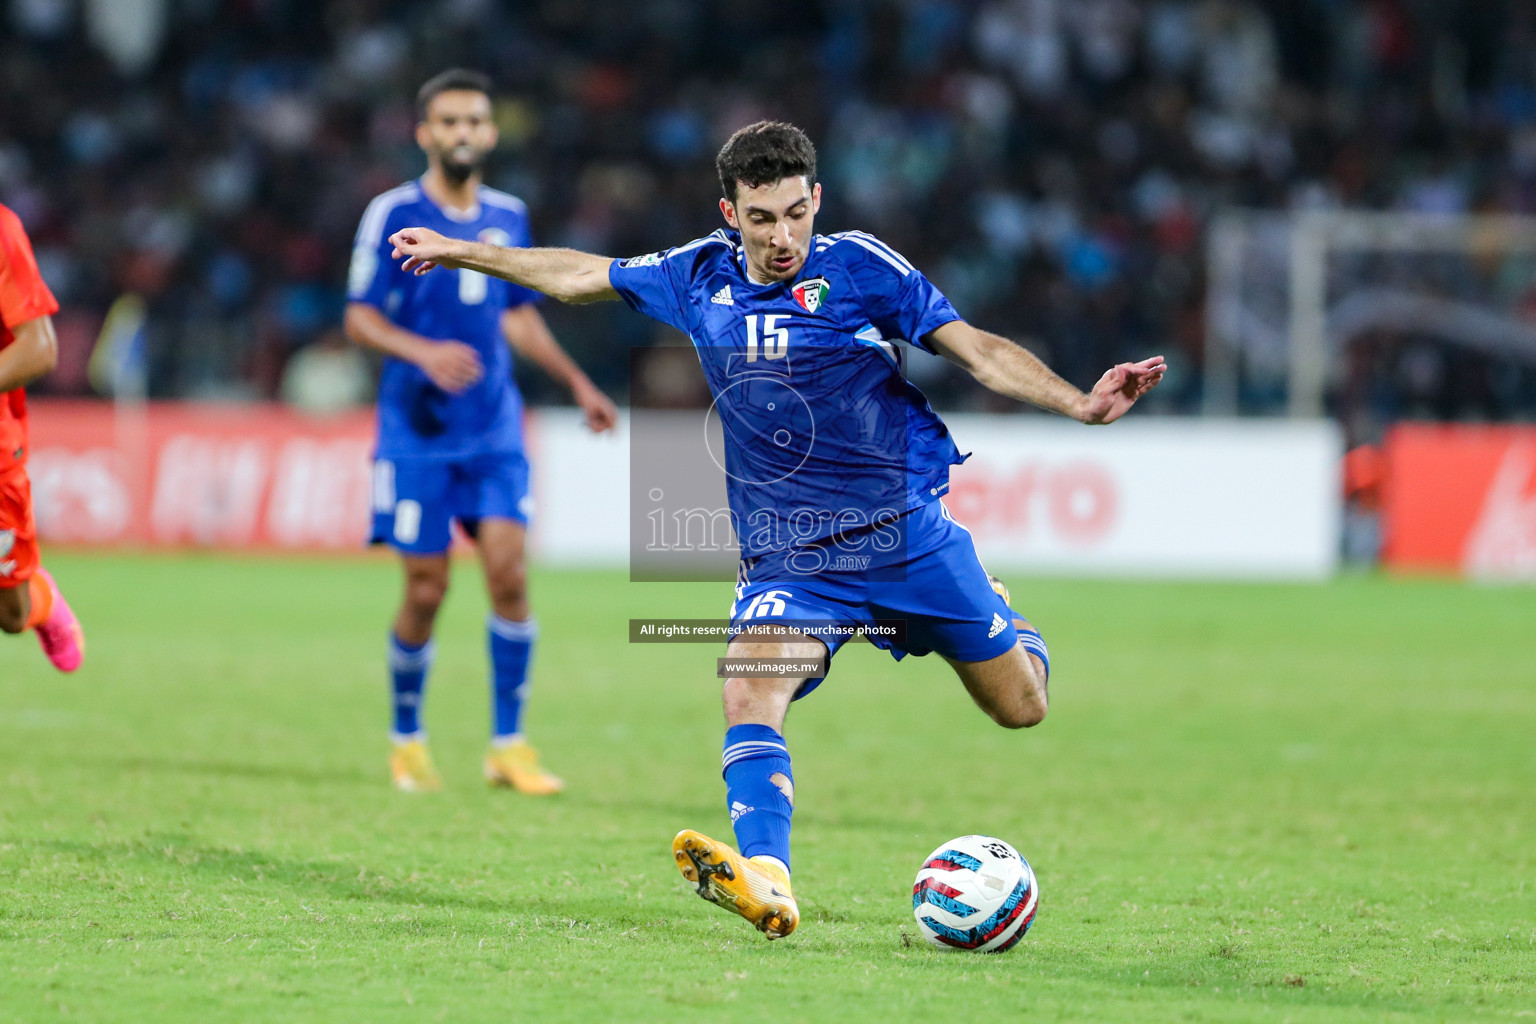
(563, 274)
(1008, 369)
(34, 352)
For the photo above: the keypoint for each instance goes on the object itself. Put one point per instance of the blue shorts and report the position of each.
(416, 500)
(932, 582)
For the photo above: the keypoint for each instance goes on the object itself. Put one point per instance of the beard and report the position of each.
(460, 171)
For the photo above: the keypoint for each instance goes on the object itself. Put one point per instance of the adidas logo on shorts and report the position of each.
(723, 297)
(998, 625)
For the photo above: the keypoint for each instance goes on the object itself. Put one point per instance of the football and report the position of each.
(976, 893)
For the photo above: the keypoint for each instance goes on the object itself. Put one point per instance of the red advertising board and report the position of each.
(1461, 499)
(190, 474)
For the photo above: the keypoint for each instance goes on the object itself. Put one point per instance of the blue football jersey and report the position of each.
(415, 417)
(823, 435)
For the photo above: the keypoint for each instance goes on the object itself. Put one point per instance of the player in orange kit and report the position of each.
(29, 599)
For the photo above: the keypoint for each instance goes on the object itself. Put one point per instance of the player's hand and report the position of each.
(451, 365)
(422, 249)
(598, 408)
(1116, 391)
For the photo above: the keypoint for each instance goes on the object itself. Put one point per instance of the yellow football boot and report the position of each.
(757, 890)
(411, 768)
(516, 766)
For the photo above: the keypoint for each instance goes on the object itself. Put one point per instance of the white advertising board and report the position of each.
(580, 490)
(1155, 497)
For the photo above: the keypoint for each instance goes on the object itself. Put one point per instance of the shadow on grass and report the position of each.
(1215, 977)
(338, 880)
(245, 770)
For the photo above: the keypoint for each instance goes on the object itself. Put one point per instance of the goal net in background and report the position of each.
(1371, 317)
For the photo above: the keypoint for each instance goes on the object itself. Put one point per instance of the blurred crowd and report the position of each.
(1052, 164)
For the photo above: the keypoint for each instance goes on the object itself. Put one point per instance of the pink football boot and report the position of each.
(60, 634)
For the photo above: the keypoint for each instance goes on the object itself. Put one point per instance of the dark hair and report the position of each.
(452, 80)
(764, 153)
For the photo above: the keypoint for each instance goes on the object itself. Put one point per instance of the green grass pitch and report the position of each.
(1266, 803)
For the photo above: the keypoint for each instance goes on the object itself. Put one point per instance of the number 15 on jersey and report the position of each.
(774, 340)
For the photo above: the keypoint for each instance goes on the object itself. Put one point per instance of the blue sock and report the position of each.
(511, 649)
(759, 790)
(1034, 643)
(408, 667)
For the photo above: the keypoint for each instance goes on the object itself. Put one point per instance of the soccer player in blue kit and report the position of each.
(835, 467)
(450, 421)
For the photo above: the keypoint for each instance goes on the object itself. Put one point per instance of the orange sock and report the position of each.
(42, 601)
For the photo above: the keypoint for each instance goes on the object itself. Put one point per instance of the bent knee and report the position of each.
(425, 594)
(1021, 716)
(738, 697)
(1014, 694)
(757, 700)
(1027, 703)
(508, 587)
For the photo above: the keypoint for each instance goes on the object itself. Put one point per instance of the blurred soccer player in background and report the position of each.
(835, 463)
(450, 430)
(29, 598)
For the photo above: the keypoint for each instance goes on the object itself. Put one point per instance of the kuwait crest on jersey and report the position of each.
(811, 294)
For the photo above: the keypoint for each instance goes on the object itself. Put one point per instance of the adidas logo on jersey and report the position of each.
(723, 297)
(998, 625)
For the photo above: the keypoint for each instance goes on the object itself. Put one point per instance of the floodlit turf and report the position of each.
(1305, 803)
